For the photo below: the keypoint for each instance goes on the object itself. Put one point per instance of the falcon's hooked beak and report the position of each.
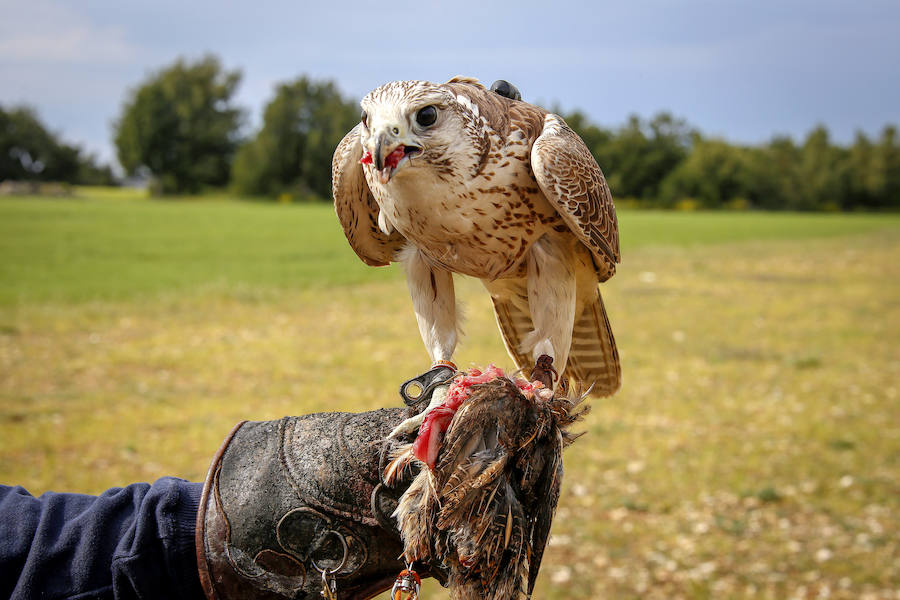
(391, 151)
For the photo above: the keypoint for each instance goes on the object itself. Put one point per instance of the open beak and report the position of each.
(381, 142)
(391, 152)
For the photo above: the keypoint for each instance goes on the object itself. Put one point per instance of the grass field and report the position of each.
(753, 452)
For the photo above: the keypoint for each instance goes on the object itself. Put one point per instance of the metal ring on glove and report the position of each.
(346, 550)
(383, 519)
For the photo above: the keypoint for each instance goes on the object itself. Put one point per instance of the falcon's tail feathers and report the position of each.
(593, 358)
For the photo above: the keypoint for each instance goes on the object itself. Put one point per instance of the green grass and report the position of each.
(118, 246)
(657, 228)
(74, 250)
(753, 452)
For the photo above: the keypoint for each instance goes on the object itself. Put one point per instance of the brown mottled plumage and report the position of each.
(459, 179)
(486, 509)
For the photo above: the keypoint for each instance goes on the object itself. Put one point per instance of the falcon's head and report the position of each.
(403, 120)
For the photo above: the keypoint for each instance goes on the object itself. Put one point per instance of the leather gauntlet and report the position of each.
(286, 501)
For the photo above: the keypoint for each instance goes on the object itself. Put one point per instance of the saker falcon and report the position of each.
(454, 178)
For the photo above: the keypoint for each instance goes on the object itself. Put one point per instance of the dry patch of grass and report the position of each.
(753, 452)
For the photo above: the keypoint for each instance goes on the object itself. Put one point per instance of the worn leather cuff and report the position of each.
(283, 499)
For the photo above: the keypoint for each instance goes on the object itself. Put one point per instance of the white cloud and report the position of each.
(45, 31)
(743, 69)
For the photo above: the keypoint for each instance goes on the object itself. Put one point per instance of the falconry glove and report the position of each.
(316, 506)
(297, 505)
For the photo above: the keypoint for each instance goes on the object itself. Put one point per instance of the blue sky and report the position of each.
(740, 70)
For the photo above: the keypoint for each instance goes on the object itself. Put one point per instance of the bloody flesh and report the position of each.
(394, 158)
(437, 421)
(391, 160)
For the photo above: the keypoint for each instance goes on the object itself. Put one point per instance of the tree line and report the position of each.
(663, 162)
(182, 129)
(31, 152)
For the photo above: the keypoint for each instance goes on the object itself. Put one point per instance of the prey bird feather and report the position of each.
(485, 507)
(455, 178)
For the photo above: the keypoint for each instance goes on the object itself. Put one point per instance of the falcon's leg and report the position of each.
(551, 300)
(434, 302)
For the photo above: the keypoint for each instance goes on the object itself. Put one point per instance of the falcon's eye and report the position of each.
(364, 117)
(427, 116)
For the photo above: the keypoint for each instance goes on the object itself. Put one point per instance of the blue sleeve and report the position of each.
(132, 542)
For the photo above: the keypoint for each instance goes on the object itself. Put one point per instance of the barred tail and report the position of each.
(593, 358)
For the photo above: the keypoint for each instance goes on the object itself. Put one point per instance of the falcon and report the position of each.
(455, 178)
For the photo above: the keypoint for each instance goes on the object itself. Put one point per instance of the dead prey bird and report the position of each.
(482, 504)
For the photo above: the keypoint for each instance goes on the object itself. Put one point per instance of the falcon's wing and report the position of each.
(573, 182)
(356, 207)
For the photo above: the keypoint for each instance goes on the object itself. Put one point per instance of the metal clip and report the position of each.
(329, 587)
(329, 583)
(407, 585)
(419, 389)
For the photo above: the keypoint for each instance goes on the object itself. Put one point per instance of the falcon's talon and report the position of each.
(408, 426)
(544, 371)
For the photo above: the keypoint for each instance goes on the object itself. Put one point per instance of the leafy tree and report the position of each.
(637, 156)
(777, 179)
(887, 158)
(292, 152)
(874, 171)
(28, 151)
(715, 173)
(823, 170)
(181, 126)
(640, 155)
(664, 161)
(90, 172)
